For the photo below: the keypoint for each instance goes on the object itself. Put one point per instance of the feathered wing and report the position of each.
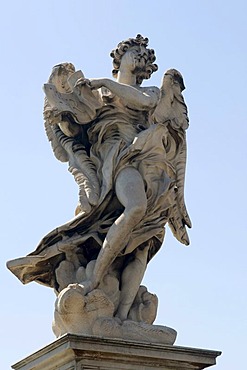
(67, 142)
(83, 170)
(58, 150)
(172, 112)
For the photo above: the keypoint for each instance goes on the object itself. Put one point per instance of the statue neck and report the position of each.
(127, 78)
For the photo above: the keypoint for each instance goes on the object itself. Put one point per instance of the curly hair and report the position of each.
(123, 46)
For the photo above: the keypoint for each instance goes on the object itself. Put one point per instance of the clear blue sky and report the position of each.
(201, 288)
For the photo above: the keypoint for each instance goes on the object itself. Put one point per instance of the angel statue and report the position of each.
(126, 148)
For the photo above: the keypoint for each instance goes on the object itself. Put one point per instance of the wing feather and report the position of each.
(59, 152)
(67, 141)
(83, 170)
(172, 111)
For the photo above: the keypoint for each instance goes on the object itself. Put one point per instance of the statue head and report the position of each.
(148, 66)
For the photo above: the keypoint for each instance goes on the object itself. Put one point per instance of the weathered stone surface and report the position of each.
(126, 148)
(72, 352)
(93, 314)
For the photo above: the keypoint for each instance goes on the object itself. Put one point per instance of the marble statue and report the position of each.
(126, 148)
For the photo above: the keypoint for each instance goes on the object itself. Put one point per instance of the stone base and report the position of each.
(74, 352)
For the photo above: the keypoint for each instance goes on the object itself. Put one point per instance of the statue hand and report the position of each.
(82, 81)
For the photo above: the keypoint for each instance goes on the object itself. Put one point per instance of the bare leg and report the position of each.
(131, 280)
(130, 191)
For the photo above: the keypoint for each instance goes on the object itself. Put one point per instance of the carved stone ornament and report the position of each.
(126, 148)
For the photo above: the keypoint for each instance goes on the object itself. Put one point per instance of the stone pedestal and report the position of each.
(72, 352)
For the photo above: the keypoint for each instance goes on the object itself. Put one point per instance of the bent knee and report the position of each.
(136, 212)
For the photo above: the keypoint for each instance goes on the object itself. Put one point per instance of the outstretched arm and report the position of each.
(136, 98)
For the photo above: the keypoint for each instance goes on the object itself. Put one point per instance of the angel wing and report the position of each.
(172, 112)
(68, 140)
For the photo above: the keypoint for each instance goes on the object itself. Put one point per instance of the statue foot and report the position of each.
(121, 316)
(84, 288)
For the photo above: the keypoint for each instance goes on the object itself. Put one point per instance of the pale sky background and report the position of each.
(201, 288)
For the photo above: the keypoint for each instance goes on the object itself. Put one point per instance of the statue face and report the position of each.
(134, 59)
